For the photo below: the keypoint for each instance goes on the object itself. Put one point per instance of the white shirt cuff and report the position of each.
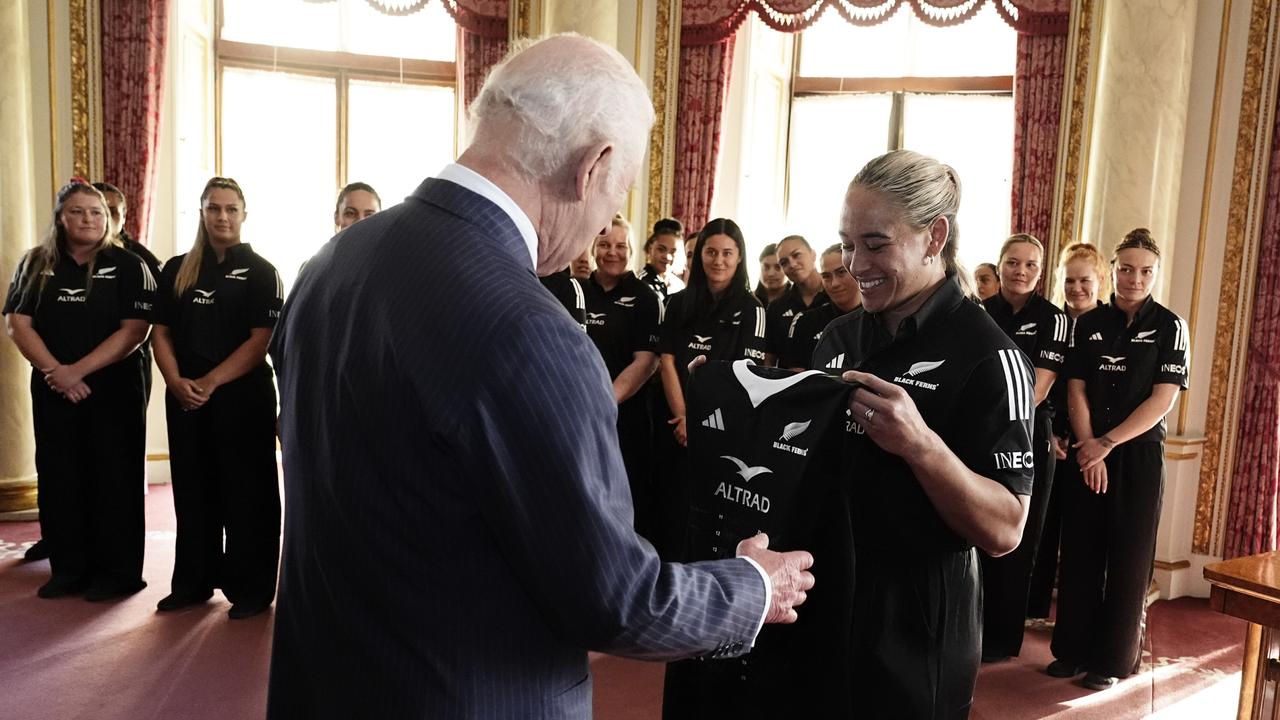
(768, 596)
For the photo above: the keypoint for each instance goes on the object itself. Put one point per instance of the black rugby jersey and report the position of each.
(1121, 363)
(973, 387)
(768, 453)
(622, 321)
(75, 313)
(780, 314)
(568, 291)
(153, 263)
(732, 329)
(227, 301)
(1040, 330)
(650, 277)
(804, 334)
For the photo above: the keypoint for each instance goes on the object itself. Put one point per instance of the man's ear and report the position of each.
(592, 169)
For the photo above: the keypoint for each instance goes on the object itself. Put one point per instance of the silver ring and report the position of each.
(869, 413)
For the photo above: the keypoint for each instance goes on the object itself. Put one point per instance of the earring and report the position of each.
(928, 259)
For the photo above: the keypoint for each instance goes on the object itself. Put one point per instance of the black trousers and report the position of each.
(1044, 576)
(917, 626)
(89, 461)
(222, 457)
(1108, 546)
(635, 439)
(1006, 580)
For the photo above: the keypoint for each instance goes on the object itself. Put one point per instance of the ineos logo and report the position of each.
(1013, 460)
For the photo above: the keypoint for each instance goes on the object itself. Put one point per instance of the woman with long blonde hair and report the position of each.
(215, 310)
(78, 308)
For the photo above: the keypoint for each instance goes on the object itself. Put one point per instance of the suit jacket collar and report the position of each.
(477, 184)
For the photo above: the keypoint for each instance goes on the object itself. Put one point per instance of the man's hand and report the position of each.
(788, 573)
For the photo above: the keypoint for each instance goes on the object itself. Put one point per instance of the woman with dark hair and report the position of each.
(622, 321)
(807, 328)
(659, 252)
(356, 202)
(1040, 330)
(716, 316)
(939, 435)
(773, 282)
(986, 281)
(215, 309)
(1129, 361)
(78, 308)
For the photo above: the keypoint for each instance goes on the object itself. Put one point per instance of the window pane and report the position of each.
(279, 141)
(397, 135)
(903, 46)
(974, 135)
(832, 137)
(342, 25)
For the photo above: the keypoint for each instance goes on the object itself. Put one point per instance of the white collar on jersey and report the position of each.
(760, 389)
(484, 187)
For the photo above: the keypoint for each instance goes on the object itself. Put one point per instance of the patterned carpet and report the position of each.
(67, 658)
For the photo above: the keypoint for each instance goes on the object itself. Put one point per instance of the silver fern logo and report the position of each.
(923, 367)
(794, 430)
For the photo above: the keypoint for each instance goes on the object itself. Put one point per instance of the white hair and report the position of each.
(566, 102)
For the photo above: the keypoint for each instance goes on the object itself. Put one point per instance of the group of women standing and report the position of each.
(1106, 376)
(80, 308)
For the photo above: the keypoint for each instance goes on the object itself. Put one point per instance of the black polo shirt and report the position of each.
(216, 315)
(568, 291)
(650, 277)
(804, 334)
(731, 328)
(780, 314)
(137, 248)
(74, 313)
(1040, 330)
(1121, 363)
(622, 321)
(973, 387)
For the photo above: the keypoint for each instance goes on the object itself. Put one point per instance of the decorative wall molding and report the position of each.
(1211, 153)
(85, 52)
(1240, 255)
(1076, 110)
(662, 145)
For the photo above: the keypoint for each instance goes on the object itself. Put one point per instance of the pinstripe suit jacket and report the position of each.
(458, 523)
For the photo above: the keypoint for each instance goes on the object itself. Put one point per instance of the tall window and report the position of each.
(946, 92)
(313, 95)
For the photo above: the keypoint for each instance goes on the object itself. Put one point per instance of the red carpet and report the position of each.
(67, 658)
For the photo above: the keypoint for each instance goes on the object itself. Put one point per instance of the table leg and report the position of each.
(1249, 685)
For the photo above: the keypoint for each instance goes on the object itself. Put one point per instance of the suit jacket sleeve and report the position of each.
(552, 488)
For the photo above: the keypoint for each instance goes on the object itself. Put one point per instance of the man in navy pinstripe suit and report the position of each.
(458, 523)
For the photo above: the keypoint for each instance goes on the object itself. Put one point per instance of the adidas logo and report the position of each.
(836, 363)
(1096, 336)
(715, 421)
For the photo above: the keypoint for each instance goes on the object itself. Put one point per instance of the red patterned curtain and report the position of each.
(1037, 109)
(482, 41)
(133, 39)
(703, 88)
(1255, 483)
(708, 21)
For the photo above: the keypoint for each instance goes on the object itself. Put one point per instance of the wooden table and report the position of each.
(1249, 588)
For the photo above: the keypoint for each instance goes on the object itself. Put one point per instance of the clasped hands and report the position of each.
(192, 394)
(1090, 453)
(67, 381)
